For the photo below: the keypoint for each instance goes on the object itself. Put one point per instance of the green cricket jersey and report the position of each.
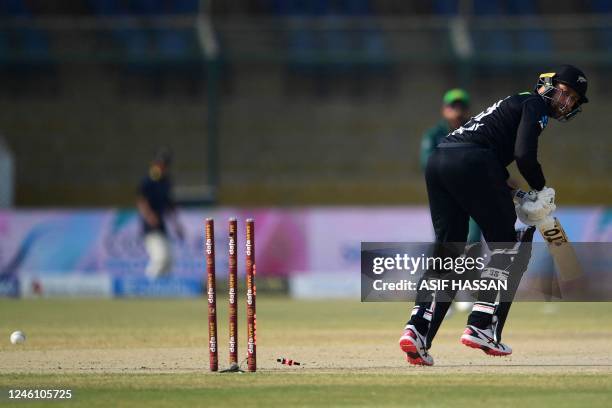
(430, 140)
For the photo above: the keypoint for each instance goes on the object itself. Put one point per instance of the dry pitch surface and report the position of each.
(153, 353)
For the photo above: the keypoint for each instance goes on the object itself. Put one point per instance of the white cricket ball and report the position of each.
(17, 337)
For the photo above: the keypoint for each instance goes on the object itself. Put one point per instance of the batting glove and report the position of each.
(533, 212)
(547, 197)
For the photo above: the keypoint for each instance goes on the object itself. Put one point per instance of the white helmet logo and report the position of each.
(581, 78)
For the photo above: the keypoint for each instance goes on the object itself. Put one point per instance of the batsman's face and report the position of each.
(565, 100)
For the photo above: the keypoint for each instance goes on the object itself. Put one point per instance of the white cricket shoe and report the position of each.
(484, 340)
(413, 344)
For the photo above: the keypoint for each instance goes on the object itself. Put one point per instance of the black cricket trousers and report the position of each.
(463, 180)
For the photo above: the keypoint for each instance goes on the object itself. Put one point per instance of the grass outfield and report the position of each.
(153, 353)
(313, 389)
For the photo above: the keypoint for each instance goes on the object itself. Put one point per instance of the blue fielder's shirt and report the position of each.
(157, 194)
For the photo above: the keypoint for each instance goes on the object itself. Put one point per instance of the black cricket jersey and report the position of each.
(157, 192)
(510, 128)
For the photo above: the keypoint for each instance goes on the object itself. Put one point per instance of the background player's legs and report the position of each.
(159, 251)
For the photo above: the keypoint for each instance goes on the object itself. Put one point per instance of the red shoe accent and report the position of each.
(416, 361)
(487, 350)
(472, 344)
(408, 345)
(495, 353)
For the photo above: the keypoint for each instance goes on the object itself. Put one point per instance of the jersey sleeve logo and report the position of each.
(543, 122)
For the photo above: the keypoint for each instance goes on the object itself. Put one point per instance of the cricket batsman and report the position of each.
(466, 177)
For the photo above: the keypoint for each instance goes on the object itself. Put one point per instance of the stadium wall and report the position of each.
(100, 252)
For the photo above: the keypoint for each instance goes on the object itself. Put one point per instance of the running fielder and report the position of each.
(466, 177)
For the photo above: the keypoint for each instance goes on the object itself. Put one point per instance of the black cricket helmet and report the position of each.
(570, 76)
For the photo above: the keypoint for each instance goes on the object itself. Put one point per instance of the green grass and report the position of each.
(349, 349)
(314, 389)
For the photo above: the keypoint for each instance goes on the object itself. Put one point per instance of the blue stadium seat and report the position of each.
(133, 42)
(522, 7)
(356, 8)
(333, 52)
(14, 8)
(601, 6)
(487, 7)
(178, 44)
(296, 8)
(34, 45)
(184, 6)
(338, 48)
(282, 7)
(496, 41)
(303, 46)
(146, 7)
(29, 45)
(173, 45)
(108, 7)
(534, 40)
(604, 34)
(170, 45)
(26, 60)
(446, 7)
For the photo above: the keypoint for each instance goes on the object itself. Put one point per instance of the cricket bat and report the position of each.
(561, 250)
